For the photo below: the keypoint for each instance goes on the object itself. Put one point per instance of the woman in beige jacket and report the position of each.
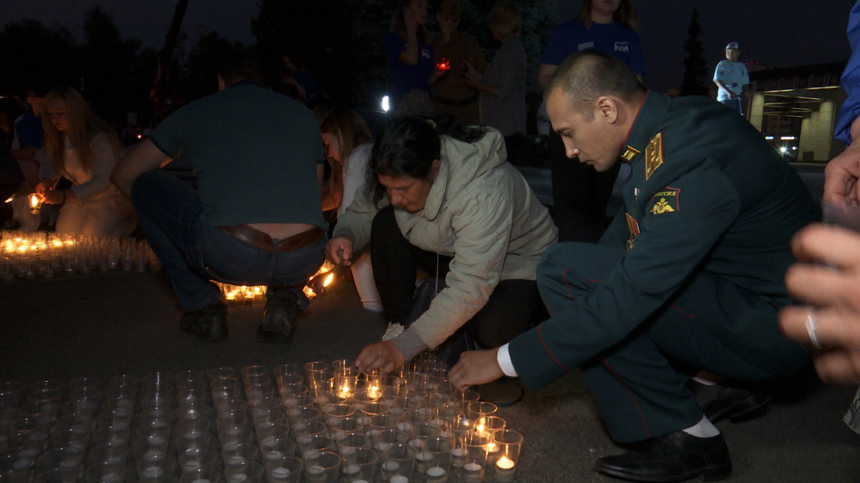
(446, 200)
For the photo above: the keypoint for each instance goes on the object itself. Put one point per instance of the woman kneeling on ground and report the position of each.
(444, 198)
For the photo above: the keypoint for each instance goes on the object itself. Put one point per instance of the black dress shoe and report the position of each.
(732, 402)
(673, 457)
(207, 324)
(279, 317)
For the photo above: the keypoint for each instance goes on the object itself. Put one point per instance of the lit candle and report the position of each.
(35, 203)
(505, 469)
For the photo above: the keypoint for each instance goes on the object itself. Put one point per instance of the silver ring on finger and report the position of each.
(810, 329)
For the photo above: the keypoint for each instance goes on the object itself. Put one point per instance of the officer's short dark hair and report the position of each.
(239, 64)
(585, 76)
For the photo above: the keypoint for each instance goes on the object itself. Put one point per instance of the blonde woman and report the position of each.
(348, 143)
(83, 149)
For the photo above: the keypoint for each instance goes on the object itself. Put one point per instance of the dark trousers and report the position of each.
(710, 324)
(512, 308)
(580, 194)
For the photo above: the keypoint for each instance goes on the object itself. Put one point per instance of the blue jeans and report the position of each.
(194, 253)
(735, 103)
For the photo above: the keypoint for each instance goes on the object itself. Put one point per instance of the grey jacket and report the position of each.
(481, 212)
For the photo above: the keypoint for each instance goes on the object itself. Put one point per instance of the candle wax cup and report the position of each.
(351, 469)
(435, 472)
(281, 473)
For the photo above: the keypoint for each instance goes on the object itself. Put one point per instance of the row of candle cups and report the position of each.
(172, 430)
(41, 254)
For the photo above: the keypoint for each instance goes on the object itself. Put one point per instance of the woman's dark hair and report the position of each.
(408, 146)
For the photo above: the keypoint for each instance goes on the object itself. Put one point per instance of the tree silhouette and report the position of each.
(36, 58)
(107, 63)
(695, 66)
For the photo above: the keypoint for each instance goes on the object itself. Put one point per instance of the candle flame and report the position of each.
(10, 199)
(328, 280)
(505, 463)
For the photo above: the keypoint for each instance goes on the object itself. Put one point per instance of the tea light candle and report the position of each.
(505, 469)
(474, 473)
(351, 470)
(280, 473)
(436, 474)
(423, 460)
(274, 455)
(238, 478)
(399, 479)
(457, 457)
(315, 474)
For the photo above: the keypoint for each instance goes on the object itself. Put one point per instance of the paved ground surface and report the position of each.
(126, 322)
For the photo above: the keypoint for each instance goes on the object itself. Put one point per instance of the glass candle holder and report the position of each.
(475, 447)
(359, 465)
(436, 454)
(397, 463)
(284, 470)
(322, 467)
(509, 444)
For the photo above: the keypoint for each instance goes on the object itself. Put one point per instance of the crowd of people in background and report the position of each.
(670, 309)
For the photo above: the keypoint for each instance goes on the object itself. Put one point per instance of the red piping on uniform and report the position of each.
(540, 336)
(632, 396)
(564, 279)
(637, 117)
(685, 314)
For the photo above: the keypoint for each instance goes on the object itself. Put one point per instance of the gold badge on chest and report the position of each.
(654, 155)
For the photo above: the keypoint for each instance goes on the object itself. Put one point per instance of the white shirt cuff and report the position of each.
(504, 359)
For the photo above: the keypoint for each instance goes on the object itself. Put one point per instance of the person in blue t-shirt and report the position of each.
(580, 194)
(732, 78)
(410, 60)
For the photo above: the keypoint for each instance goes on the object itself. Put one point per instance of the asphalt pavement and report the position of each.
(105, 324)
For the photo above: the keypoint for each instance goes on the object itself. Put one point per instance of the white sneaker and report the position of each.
(392, 331)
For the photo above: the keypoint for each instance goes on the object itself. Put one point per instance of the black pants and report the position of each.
(513, 307)
(579, 193)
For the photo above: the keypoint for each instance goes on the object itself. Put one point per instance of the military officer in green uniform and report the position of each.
(690, 274)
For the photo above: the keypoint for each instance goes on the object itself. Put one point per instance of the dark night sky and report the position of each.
(776, 33)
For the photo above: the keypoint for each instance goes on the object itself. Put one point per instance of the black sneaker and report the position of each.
(207, 324)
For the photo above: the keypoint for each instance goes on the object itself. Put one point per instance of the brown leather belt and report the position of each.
(263, 241)
(454, 102)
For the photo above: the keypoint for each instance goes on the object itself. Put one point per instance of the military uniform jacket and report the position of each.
(706, 193)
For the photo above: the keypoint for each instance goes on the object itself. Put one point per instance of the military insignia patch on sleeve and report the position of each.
(666, 200)
(654, 155)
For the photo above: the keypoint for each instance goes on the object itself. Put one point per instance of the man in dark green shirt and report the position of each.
(256, 218)
(690, 273)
